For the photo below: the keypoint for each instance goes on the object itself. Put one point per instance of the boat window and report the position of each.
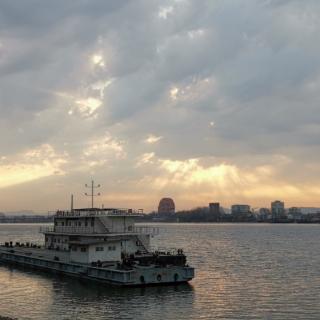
(112, 248)
(83, 249)
(99, 248)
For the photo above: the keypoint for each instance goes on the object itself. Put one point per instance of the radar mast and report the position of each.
(92, 194)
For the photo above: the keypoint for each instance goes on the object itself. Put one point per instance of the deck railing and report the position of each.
(145, 230)
(98, 212)
(154, 231)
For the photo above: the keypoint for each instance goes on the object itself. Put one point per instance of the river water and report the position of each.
(243, 271)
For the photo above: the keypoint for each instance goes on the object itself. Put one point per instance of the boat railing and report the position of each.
(153, 231)
(168, 251)
(66, 229)
(144, 230)
(98, 212)
(46, 229)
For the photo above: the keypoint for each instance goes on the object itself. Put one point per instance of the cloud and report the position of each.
(101, 150)
(198, 98)
(31, 165)
(145, 158)
(153, 139)
(88, 106)
(197, 181)
(164, 12)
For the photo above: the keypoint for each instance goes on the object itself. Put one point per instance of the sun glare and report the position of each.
(153, 139)
(97, 59)
(31, 165)
(174, 93)
(88, 106)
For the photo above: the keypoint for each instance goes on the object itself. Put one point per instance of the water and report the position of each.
(243, 271)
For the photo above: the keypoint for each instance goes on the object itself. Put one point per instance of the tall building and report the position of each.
(166, 206)
(214, 208)
(214, 211)
(277, 209)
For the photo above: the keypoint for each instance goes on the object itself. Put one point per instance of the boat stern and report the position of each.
(162, 275)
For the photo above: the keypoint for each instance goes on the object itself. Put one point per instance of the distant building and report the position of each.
(264, 211)
(240, 209)
(264, 214)
(214, 208)
(295, 213)
(277, 210)
(214, 211)
(166, 206)
(309, 210)
(295, 210)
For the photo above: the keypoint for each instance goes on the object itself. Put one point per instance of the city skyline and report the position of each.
(199, 101)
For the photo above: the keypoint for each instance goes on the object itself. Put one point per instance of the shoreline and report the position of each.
(191, 222)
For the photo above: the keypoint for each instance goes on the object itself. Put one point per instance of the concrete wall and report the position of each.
(79, 225)
(108, 253)
(79, 256)
(118, 223)
(131, 245)
(57, 241)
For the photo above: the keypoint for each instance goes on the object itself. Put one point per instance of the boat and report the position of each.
(104, 245)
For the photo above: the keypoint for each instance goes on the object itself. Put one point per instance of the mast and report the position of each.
(72, 203)
(92, 194)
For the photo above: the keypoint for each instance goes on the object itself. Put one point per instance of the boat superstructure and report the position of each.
(93, 235)
(104, 245)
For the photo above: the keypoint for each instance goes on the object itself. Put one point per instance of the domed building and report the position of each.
(166, 206)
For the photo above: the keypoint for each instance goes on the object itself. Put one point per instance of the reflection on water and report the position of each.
(242, 272)
(26, 294)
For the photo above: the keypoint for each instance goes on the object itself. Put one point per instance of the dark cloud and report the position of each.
(228, 82)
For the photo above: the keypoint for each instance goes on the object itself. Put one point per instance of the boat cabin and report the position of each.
(98, 235)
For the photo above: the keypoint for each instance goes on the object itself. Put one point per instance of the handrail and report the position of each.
(172, 251)
(98, 212)
(145, 230)
(154, 231)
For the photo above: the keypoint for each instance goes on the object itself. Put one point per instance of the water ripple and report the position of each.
(243, 271)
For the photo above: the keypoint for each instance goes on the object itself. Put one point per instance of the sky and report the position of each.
(198, 100)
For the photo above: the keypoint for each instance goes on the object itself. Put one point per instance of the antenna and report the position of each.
(72, 203)
(92, 194)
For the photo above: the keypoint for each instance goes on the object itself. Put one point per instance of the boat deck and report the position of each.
(140, 275)
(42, 253)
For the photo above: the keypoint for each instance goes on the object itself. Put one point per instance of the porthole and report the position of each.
(142, 279)
(176, 277)
(159, 277)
